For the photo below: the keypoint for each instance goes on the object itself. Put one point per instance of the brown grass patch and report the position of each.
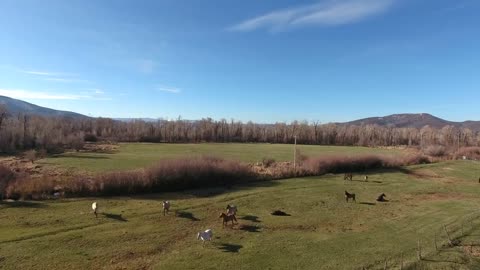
(473, 251)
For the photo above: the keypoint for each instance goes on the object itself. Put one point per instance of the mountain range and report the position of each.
(16, 106)
(418, 120)
(414, 120)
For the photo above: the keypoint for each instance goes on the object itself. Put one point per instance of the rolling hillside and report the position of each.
(413, 120)
(15, 106)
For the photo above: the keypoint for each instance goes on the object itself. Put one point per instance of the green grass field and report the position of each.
(323, 231)
(138, 155)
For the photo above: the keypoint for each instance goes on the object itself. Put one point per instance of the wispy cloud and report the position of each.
(331, 13)
(66, 80)
(61, 77)
(29, 94)
(97, 91)
(45, 73)
(168, 89)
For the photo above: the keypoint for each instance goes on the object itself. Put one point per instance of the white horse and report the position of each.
(95, 208)
(205, 235)
(166, 207)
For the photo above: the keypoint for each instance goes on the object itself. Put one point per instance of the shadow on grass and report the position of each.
(230, 248)
(81, 156)
(23, 204)
(187, 215)
(362, 181)
(367, 203)
(115, 217)
(251, 218)
(249, 228)
(280, 213)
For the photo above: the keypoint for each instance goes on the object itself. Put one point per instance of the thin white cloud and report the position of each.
(329, 13)
(66, 80)
(45, 73)
(27, 94)
(169, 89)
(93, 91)
(61, 77)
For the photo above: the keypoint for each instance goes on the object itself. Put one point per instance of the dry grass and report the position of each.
(469, 152)
(198, 172)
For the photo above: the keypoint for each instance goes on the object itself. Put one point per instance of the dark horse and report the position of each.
(381, 198)
(350, 196)
(227, 218)
(348, 176)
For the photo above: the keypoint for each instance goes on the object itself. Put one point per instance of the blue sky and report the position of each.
(266, 61)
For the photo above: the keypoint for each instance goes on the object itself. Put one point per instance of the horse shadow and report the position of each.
(230, 248)
(367, 203)
(115, 217)
(369, 181)
(251, 218)
(187, 215)
(250, 228)
(280, 213)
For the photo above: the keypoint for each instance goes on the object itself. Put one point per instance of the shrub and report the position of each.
(198, 172)
(30, 188)
(267, 162)
(168, 175)
(435, 151)
(468, 152)
(6, 176)
(90, 138)
(342, 164)
(31, 155)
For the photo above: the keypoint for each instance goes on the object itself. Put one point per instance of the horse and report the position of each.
(366, 178)
(231, 210)
(348, 176)
(350, 196)
(227, 218)
(166, 207)
(95, 209)
(381, 198)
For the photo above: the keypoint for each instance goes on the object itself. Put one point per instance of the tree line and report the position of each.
(22, 132)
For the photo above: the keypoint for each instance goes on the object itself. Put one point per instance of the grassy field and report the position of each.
(138, 155)
(323, 231)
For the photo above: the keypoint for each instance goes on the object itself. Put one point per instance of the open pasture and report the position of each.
(138, 155)
(322, 231)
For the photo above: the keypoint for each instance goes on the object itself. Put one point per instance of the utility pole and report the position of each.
(295, 155)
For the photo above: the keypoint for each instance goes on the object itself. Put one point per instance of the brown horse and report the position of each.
(348, 176)
(350, 196)
(227, 218)
(381, 198)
